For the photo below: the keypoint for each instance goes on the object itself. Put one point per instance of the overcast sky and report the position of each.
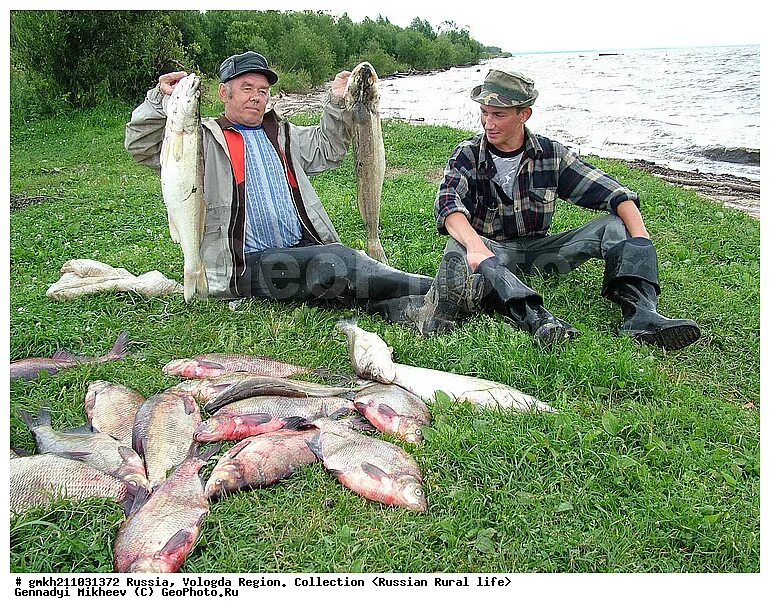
(561, 25)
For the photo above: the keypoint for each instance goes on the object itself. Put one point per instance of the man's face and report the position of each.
(247, 99)
(504, 127)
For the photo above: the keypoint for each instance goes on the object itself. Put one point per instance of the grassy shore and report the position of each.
(651, 463)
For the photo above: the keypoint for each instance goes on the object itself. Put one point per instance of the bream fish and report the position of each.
(394, 410)
(96, 449)
(261, 460)
(161, 530)
(261, 414)
(375, 469)
(37, 480)
(163, 432)
(370, 356)
(30, 368)
(111, 409)
(362, 99)
(210, 365)
(273, 386)
(181, 177)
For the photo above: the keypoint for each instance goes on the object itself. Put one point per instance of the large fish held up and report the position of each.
(181, 177)
(362, 99)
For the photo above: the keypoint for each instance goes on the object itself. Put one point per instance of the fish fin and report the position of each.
(118, 351)
(238, 447)
(190, 405)
(84, 429)
(341, 412)
(386, 410)
(135, 499)
(204, 455)
(175, 543)
(293, 423)
(336, 472)
(63, 354)
(256, 419)
(172, 229)
(80, 456)
(358, 422)
(314, 444)
(374, 471)
(346, 323)
(177, 145)
(126, 452)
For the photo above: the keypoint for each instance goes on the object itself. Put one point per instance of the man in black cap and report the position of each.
(496, 202)
(267, 233)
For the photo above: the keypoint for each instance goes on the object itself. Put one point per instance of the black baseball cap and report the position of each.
(249, 61)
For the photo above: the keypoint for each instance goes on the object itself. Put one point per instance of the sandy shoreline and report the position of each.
(735, 192)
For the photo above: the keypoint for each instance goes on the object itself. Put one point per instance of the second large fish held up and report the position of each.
(181, 177)
(425, 382)
(362, 100)
(161, 530)
(375, 469)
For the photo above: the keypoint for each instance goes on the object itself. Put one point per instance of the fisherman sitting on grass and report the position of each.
(496, 202)
(267, 233)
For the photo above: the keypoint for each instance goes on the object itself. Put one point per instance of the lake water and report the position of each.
(689, 109)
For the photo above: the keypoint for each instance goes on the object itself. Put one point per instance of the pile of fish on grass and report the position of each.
(146, 454)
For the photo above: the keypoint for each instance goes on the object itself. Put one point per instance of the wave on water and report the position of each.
(733, 155)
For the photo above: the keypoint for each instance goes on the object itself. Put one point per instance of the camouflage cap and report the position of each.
(505, 89)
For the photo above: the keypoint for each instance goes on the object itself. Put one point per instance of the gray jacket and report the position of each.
(311, 150)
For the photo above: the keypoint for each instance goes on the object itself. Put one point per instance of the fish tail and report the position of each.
(118, 351)
(195, 284)
(43, 418)
(347, 323)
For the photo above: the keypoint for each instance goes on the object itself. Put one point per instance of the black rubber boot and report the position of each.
(631, 282)
(402, 310)
(523, 305)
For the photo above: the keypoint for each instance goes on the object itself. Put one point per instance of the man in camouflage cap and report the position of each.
(496, 202)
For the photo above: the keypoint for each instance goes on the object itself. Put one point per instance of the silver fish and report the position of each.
(261, 460)
(394, 410)
(181, 178)
(163, 432)
(362, 99)
(161, 530)
(375, 469)
(111, 408)
(370, 356)
(261, 414)
(30, 368)
(37, 480)
(209, 365)
(97, 449)
(272, 386)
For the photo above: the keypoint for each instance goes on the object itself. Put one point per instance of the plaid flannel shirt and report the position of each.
(548, 170)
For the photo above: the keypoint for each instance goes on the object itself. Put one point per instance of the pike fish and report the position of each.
(370, 356)
(36, 480)
(272, 386)
(217, 364)
(375, 469)
(261, 460)
(394, 410)
(111, 408)
(161, 530)
(30, 368)
(261, 414)
(96, 449)
(181, 178)
(362, 99)
(163, 432)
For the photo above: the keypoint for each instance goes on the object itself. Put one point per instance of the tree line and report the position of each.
(80, 59)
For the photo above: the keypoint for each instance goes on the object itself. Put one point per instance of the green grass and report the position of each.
(651, 464)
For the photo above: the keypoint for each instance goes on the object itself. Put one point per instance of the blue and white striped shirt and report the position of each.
(271, 219)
